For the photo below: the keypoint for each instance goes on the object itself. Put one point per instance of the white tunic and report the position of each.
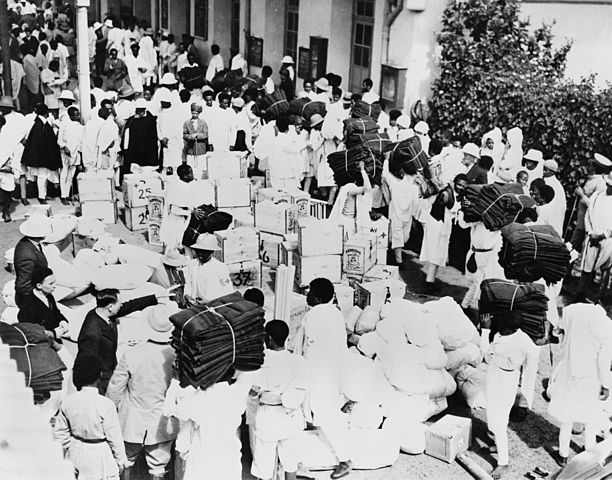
(208, 281)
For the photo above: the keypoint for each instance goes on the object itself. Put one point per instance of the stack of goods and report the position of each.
(359, 254)
(374, 274)
(31, 350)
(239, 251)
(299, 198)
(379, 226)
(527, 298)
(409, 150)
(97, 195)
(378, 143)
(210, 221)
(345, 165)
(354, 127)
(498, 205)
(304, 107)
(214, 340)
(319, 252)
(363, 109)
(523, 245)
(283, 292)
(273, 105)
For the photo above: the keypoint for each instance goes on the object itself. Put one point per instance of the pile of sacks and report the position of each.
(408, 358)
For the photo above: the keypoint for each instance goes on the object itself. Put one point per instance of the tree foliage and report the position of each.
(497, 71)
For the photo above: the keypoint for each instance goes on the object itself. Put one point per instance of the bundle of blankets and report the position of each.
(306, 108)
(272, 105)
(363, 109)
(213, 340)
(498, 205)
(524, 245)
(208, 220)
(31, 350)
(345, 165)
(528, 299)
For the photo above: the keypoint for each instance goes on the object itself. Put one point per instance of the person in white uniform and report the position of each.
(279, 391)
(170, 132)
(70, 143)
(558, 205)
(215, 65)
(533, 162)
(181, 200)
(321, 339)
(284, 157)
(206, 278)
(353, 205)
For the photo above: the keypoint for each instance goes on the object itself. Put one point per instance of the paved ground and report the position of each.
(530, 442)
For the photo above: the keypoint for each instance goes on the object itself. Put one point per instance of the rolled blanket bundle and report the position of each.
(378, 143)
(363, 109)
(527, 298)
(213, 340)
(353, 127)
(345, 165)
(31, 350)
(523, 245)
(213, 221)
(497, 205)
(409, 150)
(273, 105)
(304, 107)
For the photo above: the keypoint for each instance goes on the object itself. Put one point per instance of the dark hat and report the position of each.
(87, 369)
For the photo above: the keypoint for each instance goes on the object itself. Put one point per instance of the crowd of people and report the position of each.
(155, 104)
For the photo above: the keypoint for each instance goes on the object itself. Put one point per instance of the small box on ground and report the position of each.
(137, 218)
(223, 165)
(319, 237)
(275, 195)
(100, 209)
(237, 245)
(205, 192)
(270, 249)
(359, 253)
(156, 207)
(382, 272)
(378, 293)
(448, 437)
(233, 192)
(301, 200)
(137, 188)
(98, 185)
(309, 268)
(276, 218)
(153, 234)
(246, 274)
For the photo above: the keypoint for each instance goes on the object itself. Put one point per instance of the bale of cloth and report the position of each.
(528, 299)
(378, 143)
(353, 127)
(31, 350)
(211, 220)
(409, 150)
(304, 107)
(214, 340)
(273, 105)
(497, 205)
(525, 244)
(345, 165)
(363, 109)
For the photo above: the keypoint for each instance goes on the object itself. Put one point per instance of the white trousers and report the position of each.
(337, 435)
(594, 258)
(66, 177)
(565, 436)
(500, 393)
(265, 452)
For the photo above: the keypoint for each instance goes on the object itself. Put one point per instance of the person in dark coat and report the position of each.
(29, 256)
(40, 307)
(475, 173)
(98, 334)
(139, 140)
(41, 153)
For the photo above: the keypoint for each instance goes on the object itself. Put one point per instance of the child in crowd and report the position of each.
(522, 178)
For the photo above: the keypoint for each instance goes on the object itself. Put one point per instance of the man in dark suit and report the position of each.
(475, 173)
(29, 255)
(98, 334)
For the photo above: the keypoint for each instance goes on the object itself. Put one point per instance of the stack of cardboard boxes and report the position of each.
(239, 251)
(97, 195)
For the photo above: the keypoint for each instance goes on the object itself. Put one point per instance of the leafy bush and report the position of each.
(495, 72)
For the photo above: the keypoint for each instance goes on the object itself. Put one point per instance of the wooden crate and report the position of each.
(270, 249)
(309, 268)
(223, 165)
(448, 437)
(153, 234)
(319, 237)
(301, 200)
(275, 195)
(359, 254)
(98, 185)
(380, 228)
(378, 293)
(382, 272)
(246, 274)
(137, 218)
(205, 192)
(233, 192)
(101, 209)
(137, 188)
(237, 245)
(276, 218)
(156, 207)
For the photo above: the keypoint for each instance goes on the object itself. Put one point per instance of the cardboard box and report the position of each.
(98, 185)
(319, 237)
(137, 188)
(223, 165)
(276, 218)
(275, 195)
(156, 207)
(380, 228)
(240, 212)
(237, 245)
(137, 218)
(381, 256)
(153, 234)
(448, 437)
(382, 272)
(309, 268)
(101, 209)
(205, 192)
(359, 254)
(270, 249)
(378, 293)
(301, 200)
(246, 274)
(233, 192)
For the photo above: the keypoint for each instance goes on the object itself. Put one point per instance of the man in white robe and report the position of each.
(284, 158)
(108, 141)
(220, 124)
(137, 68)
(149, 55)
(216, 63)
(558, 205)
(90, 140)
(170, 132)
(70, 146)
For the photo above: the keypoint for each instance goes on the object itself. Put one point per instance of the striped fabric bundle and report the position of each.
(378, 143)
(304, 107)
(345, 165)
(528, 299)
(363, 109)
(409, 150)
(523, 245)
(214, 340)
(273, 105)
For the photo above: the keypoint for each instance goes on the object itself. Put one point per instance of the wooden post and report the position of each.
(5, 40)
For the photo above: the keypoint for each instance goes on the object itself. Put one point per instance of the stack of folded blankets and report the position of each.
(211, 221)
(363, 109)
(378, 143)
(497, 205)
(409, 150)
(354, 127)
(523, 245)
(214, 340)
(273, 105)
(304, 107)
(527, 298)
(345, 165)
(31, 350)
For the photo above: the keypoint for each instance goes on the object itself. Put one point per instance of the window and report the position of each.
(200, 19)
(363, 32)
(164, 14)
(235, 25)
(291, 27)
